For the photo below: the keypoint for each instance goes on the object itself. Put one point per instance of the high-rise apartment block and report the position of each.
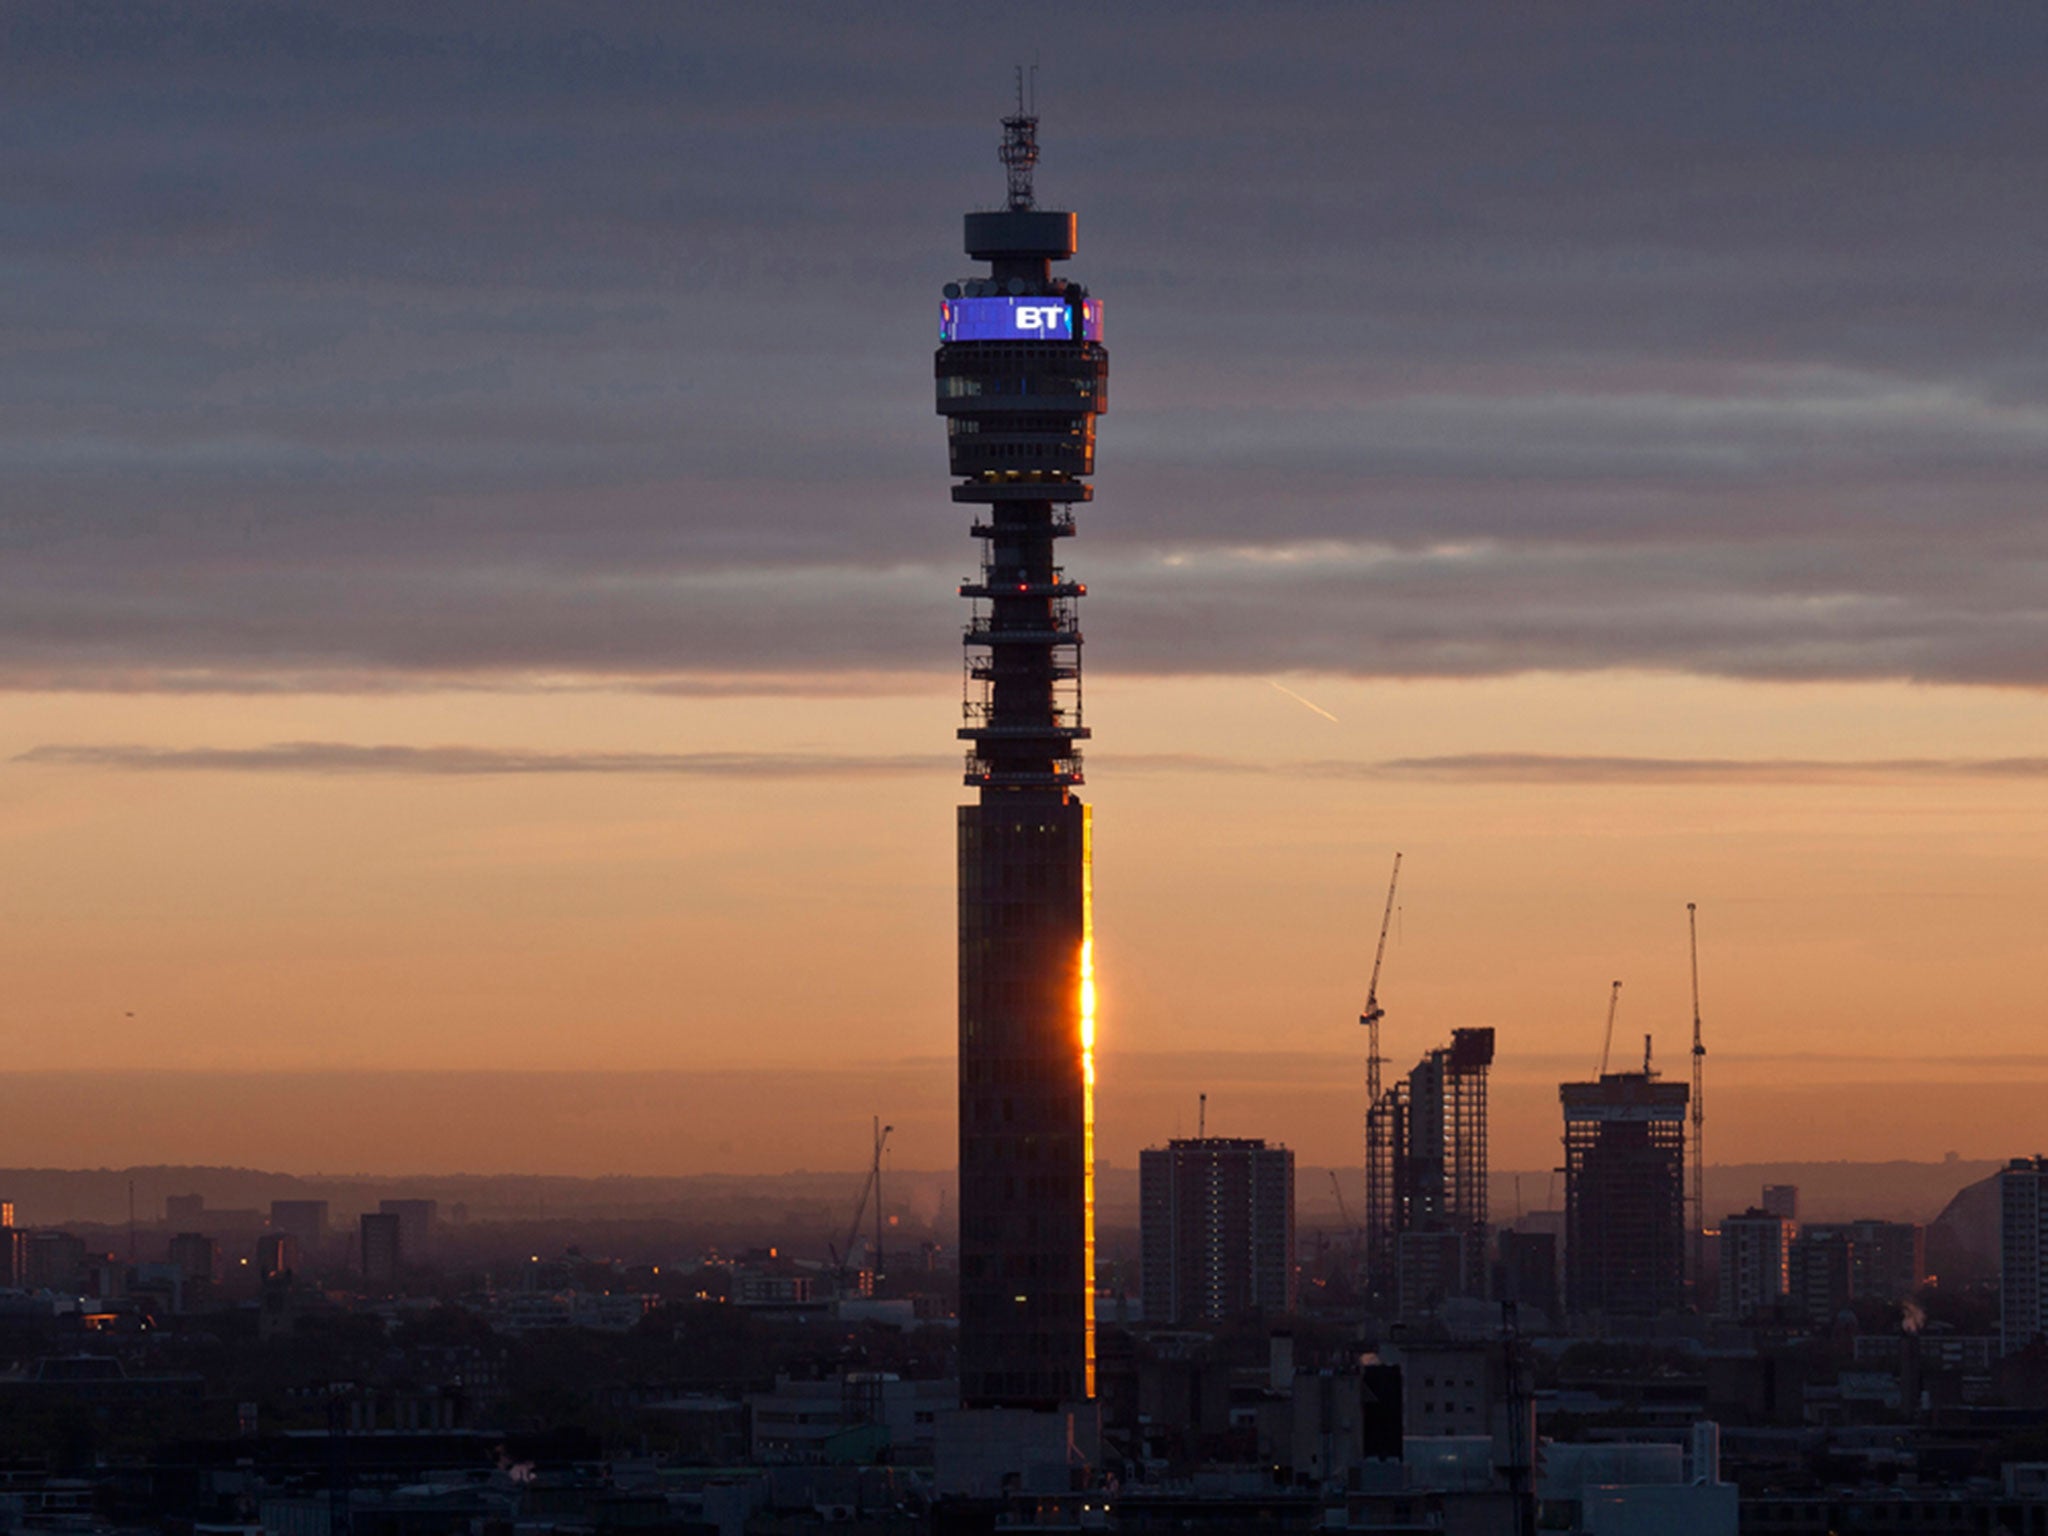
(1021, 376)
(2023, 1252)
(1425, 1178)
(1624, 1141)
(1217, 1229)
(1820, 1273)
(1888, 1259)
(1781, 1200)
(417, 1223)
(383, 1248)
(1756, 1249)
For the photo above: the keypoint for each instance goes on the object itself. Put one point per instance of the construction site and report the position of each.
(1633, 1229)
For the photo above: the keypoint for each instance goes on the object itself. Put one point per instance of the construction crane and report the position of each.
(1379, 1172)
(1607, 1045)
(1373, 1011)
(1344, 1215)
(871, 1188)
(1699, 1105)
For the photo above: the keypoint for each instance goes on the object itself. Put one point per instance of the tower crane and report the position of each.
(1379, 1172)
(1344, 1215)
(1607, 1045)
(871, 1187)
(1343, 1211)
(1373, 1011)
(1699, 1102)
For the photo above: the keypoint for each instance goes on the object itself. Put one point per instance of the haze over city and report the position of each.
(478, 607)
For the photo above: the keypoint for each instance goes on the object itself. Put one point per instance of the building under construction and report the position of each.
(1624, 1195)
(1425, 1178)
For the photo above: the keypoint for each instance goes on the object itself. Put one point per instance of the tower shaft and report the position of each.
(1021, 375)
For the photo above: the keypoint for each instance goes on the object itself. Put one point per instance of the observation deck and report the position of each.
(1020, 377)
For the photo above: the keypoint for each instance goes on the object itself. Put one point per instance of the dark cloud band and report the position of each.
(326, 757)
(415, 345)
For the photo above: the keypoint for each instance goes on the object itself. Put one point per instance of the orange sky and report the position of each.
(477, 578)
(1866, 928)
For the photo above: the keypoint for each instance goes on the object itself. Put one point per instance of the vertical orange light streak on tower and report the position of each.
(1088, 1088)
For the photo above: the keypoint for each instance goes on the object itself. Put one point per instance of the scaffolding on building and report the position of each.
(1426, 1178)
(1625, 1196)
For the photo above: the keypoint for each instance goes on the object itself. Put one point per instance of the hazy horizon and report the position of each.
(672, 1124)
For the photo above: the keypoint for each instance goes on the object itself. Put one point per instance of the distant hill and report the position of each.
(1962, 1242)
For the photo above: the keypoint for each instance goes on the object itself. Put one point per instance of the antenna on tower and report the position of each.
(1019, 152)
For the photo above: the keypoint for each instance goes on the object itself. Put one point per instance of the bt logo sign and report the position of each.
(1042, 317)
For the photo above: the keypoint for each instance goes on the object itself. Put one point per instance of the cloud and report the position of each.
(330, 757)
(1536, 768)
(397, 345)
(1569, 769)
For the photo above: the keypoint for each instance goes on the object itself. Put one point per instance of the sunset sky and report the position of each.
(477, 579)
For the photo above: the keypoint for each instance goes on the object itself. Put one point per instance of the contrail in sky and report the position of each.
(1306, 703)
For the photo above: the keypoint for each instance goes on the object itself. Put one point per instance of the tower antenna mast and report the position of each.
(1019, 151)
(1699, 1105)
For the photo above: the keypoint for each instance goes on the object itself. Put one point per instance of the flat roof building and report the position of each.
(383, 1250)
(1624, 1141)
(1756, 1252)
(2022, 1253)
(1216, 1216)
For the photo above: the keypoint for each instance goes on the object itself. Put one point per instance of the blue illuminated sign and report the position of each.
(1012, 319)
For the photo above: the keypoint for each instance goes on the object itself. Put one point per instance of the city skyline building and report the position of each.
(1216, 1229)
(1426, 1161)
(1756, 1252)
(1781, 1200)
(2022, 1253)
(1021, 375)
(1889, 1258)
(418, 1220)
(1625, 1249)
(382, 1255)
(1820, 1274)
